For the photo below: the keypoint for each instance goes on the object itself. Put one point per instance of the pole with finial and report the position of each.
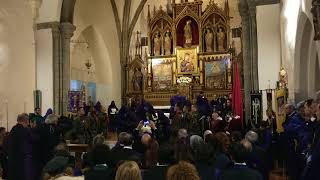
(226, 8)
(149, 16)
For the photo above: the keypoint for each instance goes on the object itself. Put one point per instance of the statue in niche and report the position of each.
(167, 43)
(188, 34)
(137, 79)
(157, 44)
(221, 36)
(209, 38)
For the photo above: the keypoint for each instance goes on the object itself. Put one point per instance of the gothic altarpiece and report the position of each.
(189, 51)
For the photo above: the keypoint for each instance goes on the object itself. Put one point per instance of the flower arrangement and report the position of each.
(184, 80)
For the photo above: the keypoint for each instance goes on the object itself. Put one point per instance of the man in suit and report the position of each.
(257, 158)
(100, 170)
(17, 149)
(239, 170)
(126, 152)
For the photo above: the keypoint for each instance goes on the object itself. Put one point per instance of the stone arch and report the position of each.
(302, 58)
(67, 11)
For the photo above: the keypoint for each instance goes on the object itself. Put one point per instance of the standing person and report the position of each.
(49, 111)
(49, 138)
(37, 116)
(293, 130)
(19, 156)
(112, 114)
(3, 152)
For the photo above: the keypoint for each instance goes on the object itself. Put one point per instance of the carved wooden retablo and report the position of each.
(185, 43)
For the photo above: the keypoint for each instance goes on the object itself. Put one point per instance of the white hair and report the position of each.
(52, 119)
(251, 136)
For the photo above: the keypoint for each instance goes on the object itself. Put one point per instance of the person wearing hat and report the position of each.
(56, 169)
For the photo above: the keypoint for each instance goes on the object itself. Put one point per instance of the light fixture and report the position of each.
(88, 64)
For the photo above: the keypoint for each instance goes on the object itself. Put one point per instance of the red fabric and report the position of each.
(180, 31)
(236, 96)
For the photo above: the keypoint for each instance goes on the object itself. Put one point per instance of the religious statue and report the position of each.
(167, 43)
(256, 110)
(137, 80)
(209, 38)
(221, 39)
(188, 34)
(186, 64)
(157, 44)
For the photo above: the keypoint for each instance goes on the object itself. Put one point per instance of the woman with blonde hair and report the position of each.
(182, 170)
(129, 170)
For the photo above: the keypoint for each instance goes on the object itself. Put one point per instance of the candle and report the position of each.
(7, 113)
(24, 106)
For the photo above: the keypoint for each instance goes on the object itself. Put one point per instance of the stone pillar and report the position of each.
(246, 60)
(67, 30)
(254, 47)
(57, 69)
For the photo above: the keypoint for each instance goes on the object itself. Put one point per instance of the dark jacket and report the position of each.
(99, 172)
(21, 163)
(240, 172)
(125, 154)
(156, 173)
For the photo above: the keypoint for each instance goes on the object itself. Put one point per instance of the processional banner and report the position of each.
(281, 101)
(74, 98)
(256, 108)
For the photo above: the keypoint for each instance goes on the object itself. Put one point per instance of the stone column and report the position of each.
(67, 30)
(57, 69)
(246, 60)
(254, 47)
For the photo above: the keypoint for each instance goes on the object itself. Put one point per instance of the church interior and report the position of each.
(165, 89)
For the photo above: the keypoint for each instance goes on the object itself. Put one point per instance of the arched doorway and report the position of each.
(303, 56)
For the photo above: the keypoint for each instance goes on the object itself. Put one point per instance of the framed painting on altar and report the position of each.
(162, 74)
(215, 74)
(187, 60)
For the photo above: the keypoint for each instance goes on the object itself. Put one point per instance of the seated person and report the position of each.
(239, 170)
(125, 153)
(100, 159)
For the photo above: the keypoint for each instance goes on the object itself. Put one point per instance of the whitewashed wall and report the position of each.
(269, 48)
(17, 60)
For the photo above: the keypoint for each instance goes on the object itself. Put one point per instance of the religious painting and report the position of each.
(215, 74)
(187, 61)
(280, 112)
(162, 74)
(256, 109)
(74, 103)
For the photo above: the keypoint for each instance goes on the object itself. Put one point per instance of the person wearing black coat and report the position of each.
(20, 160)
(126, 152)
(101, 169)
(239, 169)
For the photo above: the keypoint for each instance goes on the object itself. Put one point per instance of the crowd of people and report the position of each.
(197, 141)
